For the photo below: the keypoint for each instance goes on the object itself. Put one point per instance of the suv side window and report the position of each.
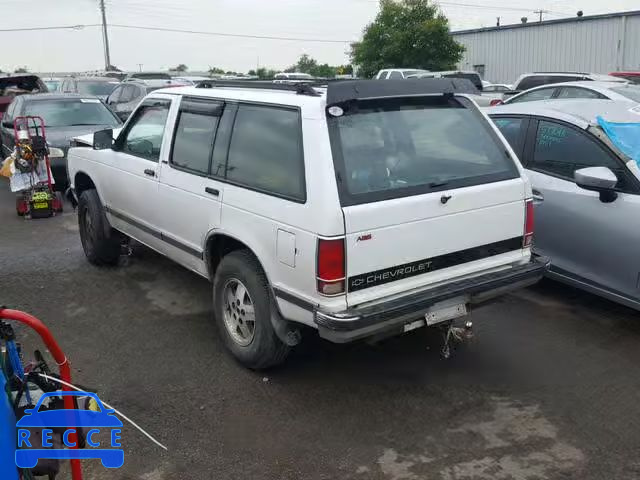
(560, 150)
(542, 94)
(127, 93)
(531, 82)
(395, 76)
(144, 134)
(265, 152)
(115, 96)
(195, 133)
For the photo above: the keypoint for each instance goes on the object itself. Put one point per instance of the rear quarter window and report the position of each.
(265, 153)
(390, 149)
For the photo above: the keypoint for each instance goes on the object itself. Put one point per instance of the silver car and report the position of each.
(586, 191)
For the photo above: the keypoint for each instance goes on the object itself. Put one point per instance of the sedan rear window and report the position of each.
(389, 149)
(632, 92)
(96, 88)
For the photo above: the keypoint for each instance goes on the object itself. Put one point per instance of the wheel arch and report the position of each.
(221, 243)
(81, 182)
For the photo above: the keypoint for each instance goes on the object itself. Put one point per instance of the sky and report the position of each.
(338, 22)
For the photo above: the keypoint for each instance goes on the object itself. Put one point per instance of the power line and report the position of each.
(235, 35)
(177, 30)
(61, 27)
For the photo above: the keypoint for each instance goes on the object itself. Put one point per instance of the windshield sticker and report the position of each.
(550, 134)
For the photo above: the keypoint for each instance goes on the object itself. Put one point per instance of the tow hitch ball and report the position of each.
(451, 334)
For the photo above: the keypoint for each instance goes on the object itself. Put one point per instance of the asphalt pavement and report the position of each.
(548, 389)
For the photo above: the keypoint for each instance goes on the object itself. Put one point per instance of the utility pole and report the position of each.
(541, 12)
(105, 37)
(140, 66)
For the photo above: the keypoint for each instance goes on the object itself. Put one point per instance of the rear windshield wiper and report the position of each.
(437, 184)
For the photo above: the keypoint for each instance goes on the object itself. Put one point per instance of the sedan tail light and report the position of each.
(495, 102)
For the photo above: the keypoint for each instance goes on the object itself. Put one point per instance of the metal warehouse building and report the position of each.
(595, 44)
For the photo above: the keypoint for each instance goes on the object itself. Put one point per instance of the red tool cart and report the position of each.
(32, 178)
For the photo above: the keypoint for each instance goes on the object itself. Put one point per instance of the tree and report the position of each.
(323, 71)
(215, 71)
(181, 68)
(406, 34)
(305, 64)
(21, 70)
(262, 73)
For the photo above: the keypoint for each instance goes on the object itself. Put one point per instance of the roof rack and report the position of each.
(566, 73)
(299, 88)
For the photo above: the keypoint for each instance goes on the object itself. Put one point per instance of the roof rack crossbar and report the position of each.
(299, 88)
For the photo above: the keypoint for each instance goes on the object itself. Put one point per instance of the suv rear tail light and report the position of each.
(495, 102)
(527, 238)
(330, 267)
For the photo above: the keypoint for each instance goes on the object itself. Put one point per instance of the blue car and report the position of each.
(71, 420)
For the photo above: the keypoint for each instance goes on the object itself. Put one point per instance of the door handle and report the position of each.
(150, 172)
(213, 191)
(537, 196)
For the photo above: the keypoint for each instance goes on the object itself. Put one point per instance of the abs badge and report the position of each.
(40, 431)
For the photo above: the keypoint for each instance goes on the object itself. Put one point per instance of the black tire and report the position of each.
(265, 349)
(100, 242)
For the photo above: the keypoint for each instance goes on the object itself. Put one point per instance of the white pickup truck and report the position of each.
(360, 209)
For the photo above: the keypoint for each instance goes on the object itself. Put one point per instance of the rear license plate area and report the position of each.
(438, 314)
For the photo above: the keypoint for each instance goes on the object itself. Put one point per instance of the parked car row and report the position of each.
(238, 169)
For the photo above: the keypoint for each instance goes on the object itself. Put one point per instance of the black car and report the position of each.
(65, 116)
(100, 87)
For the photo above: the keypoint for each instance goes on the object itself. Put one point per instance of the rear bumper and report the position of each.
(384, 318)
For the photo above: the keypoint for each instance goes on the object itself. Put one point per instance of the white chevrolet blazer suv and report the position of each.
(361, 209)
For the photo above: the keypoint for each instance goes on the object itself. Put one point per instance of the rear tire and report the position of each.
(242, 307)
(100, 242)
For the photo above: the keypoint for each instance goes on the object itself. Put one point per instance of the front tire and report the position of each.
(242, 307)
(100, 242)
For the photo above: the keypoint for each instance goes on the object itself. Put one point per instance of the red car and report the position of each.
(633, 77)
(18, 85)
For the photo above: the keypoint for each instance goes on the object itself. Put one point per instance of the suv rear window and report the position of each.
(387, 149)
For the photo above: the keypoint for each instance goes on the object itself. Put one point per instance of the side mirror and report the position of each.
(597, 179)
(103, 139)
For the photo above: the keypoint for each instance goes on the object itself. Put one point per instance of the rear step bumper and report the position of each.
(356, 323)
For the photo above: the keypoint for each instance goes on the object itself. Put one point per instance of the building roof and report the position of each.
(582, 113)
(532, 24)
